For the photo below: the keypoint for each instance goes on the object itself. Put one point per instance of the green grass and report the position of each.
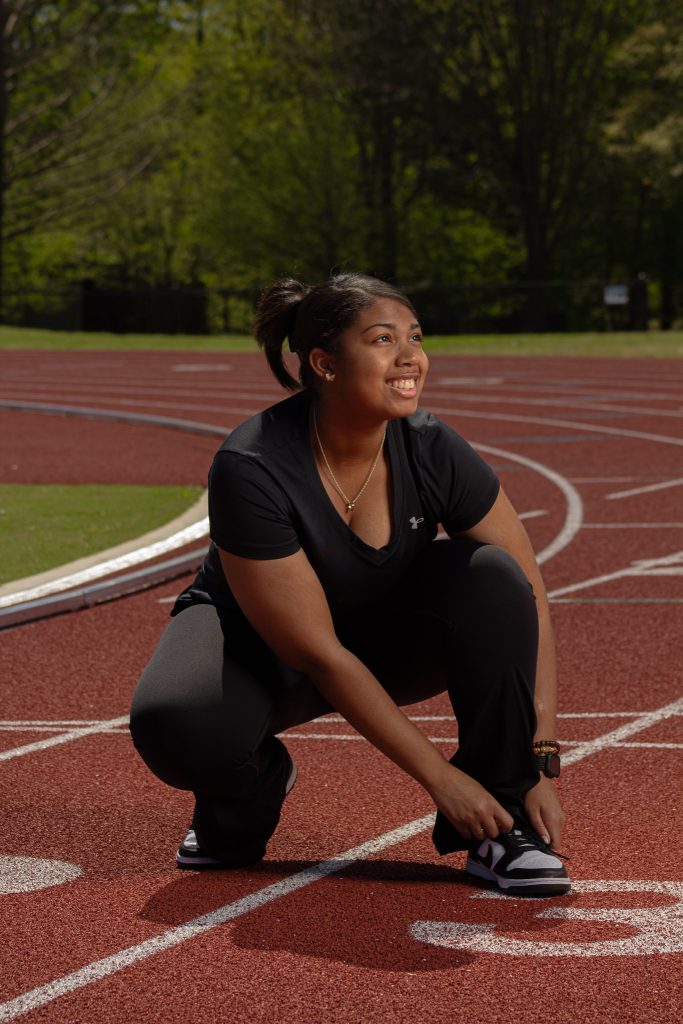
(653, 344)
(36, 338)
(617, 345)
(43, 526)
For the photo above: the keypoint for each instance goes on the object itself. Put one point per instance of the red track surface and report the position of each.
(346, 947)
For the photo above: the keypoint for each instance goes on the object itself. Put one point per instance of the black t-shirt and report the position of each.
(266, 500)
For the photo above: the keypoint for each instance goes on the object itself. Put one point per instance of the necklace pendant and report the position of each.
(350, 506)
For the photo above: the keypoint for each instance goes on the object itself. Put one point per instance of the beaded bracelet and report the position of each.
(546, 747)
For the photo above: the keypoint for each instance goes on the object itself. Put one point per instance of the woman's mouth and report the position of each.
(405, 385)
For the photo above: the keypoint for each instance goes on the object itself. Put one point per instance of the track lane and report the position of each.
(337, 952)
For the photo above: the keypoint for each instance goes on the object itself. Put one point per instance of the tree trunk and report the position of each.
(387, 204)
(537, 272)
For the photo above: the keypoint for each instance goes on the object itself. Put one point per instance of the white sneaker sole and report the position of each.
(519, 886)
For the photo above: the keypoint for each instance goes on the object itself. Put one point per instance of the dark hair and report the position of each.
(313, 318)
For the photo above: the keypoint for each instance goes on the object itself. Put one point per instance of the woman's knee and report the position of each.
(196, 713)
(191, 747)
(464, 570)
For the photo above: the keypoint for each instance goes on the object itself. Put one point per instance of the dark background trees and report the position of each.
(475, 150)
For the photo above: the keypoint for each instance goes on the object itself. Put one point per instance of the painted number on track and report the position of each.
(658, 929)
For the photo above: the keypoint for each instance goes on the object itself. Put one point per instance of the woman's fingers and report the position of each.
(545, 812)
(504, 820)
(489, 823)
(538, 825)
(472, 809)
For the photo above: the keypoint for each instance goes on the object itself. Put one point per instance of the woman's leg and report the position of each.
(203, 718)
(466, 621)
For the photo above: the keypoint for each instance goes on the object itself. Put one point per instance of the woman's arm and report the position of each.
(502, 526)
(284, 601)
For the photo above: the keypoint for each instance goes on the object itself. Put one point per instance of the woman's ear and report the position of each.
(322, 364)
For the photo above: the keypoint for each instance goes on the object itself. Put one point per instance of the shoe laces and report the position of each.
(521, 837)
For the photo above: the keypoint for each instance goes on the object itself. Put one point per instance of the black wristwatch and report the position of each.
(547, 757)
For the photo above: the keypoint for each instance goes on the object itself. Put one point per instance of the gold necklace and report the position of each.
(349, 502)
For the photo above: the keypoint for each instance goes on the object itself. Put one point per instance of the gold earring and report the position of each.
(329, 376)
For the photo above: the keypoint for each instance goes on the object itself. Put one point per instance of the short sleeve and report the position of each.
(249, 514)
(459, 485)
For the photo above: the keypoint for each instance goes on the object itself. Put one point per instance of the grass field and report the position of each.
(44, 526)
(654, 344)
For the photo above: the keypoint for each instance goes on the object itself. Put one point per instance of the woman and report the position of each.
(324, 589)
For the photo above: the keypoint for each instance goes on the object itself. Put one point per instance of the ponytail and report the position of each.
(275, 321)
(314, 317)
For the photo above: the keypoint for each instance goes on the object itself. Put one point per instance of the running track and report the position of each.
(352, 916)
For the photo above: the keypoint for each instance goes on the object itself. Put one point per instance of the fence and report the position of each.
(453, 308)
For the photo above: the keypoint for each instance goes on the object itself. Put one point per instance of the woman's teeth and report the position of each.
(405, 384)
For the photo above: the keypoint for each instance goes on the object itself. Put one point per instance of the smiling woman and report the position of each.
(324, 511)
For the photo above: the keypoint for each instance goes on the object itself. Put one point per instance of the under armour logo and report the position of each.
(414, 523)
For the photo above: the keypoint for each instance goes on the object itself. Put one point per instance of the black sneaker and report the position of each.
(519, 863)
(190, 855)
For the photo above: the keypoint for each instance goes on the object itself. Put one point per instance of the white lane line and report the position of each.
(566, 403)
(562, 714)
(632, 526)
(546, 421)
(615, 495)
(68, 724)
(65, 737)
(108, 965)
(651, 746)
(642, 567)
(51, 728)
(191, 533)
(604, 479)
(534, 514)
(574, 514)
(622, 732)
(56, 722)
(617, 744)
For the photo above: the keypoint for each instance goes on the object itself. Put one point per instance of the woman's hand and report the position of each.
(468, 806)
(545, 812)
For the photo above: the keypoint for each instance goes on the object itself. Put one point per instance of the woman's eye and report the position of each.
(417, 338)
(384, 337)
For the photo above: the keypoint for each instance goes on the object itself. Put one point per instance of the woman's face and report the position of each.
(381, 366)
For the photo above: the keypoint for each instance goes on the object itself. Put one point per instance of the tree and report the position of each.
(645, 137)
(74, 110)
(530, 85)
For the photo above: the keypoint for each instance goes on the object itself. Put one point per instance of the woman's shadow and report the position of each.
(360, 915)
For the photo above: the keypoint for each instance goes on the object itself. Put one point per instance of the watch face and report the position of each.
(552, 766)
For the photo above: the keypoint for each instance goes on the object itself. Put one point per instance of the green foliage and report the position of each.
(213, 144)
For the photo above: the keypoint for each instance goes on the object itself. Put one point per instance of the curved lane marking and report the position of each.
(589, 406)
(574, 515)
(196, 531)
(640, 435)
(658, 929)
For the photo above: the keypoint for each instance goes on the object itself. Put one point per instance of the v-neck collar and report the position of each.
(377, 554)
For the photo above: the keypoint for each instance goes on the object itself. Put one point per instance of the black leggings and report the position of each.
(208, 708)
